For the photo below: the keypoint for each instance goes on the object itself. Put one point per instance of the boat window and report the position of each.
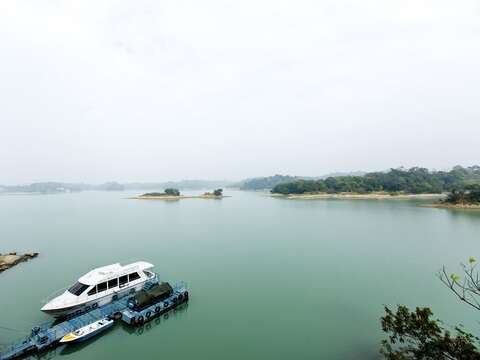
(92, 291)
(133, 276)
(102, 287)
(112, 283)
(123, 280)
(78, 288)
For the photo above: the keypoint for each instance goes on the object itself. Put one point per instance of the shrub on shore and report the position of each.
(469, 195)
(167, 192)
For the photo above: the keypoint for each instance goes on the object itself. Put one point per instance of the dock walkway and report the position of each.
(48, 336)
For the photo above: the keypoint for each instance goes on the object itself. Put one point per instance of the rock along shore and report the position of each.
(11, 259)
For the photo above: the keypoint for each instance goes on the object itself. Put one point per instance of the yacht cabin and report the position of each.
(99, 286)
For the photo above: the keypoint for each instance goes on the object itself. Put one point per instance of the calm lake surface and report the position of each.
(268, 278)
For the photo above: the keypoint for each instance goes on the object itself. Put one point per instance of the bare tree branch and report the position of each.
(468, 288)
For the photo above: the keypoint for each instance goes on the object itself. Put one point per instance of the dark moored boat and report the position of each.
(155, 294)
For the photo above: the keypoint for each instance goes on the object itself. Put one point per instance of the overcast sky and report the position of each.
(170, 89)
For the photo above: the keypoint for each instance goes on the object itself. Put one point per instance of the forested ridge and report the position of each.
(268, 182)
(415, 180)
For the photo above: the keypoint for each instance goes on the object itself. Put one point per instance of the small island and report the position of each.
(171, 194)
(11, 259)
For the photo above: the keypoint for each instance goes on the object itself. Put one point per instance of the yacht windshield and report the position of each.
(78, 288)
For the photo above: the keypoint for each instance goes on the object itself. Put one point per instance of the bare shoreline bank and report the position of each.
(382, 196)
(453, 206)
(352, 196)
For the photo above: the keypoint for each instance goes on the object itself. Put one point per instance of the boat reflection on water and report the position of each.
(140, 330)
(45, 355)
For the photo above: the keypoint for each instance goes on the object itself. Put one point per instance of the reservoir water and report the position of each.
(269, 278)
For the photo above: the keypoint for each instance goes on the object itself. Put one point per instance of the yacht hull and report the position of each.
(66, 311)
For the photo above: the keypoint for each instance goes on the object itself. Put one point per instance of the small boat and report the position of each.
(99, 287)
(88, 331)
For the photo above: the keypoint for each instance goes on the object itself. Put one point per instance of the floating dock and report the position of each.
(46, 337)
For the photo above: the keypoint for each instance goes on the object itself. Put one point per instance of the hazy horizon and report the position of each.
(160, 91)
(229, 180)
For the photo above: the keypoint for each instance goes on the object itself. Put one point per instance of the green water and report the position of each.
(268, 278)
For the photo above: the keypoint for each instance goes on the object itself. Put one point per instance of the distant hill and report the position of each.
(59, 187)
(415, 180)
(269, 182)
(56, 187)
(182, 185)
(265, 183)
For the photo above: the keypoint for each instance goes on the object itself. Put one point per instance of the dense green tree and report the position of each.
(414, 335)
(473, 195)
(455, 197)
(172, 192)
(218, 192)
(469, 195)
(154, 194)
(415, 181)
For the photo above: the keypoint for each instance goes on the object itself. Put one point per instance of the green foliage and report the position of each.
(153, 194)
(218, 192)
(414, 181)
(455, 197)
(455, 278)
(414, 335)
(167, 192)
(172, 192)
(469, 195)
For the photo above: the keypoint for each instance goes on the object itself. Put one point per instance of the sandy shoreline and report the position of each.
(453, 206)
(180, 197)
(351, 196)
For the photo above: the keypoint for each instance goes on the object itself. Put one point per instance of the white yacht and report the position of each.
(99, 287)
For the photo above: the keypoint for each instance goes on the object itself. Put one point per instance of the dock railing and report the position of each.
(180, 285)
(39, 335)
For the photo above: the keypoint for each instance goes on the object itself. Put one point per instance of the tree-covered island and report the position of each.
(174, 194)
(216, 193)
(166, 192)
(393, 182)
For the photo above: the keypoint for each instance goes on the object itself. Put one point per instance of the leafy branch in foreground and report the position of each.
(467, 288)
(414, 335)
